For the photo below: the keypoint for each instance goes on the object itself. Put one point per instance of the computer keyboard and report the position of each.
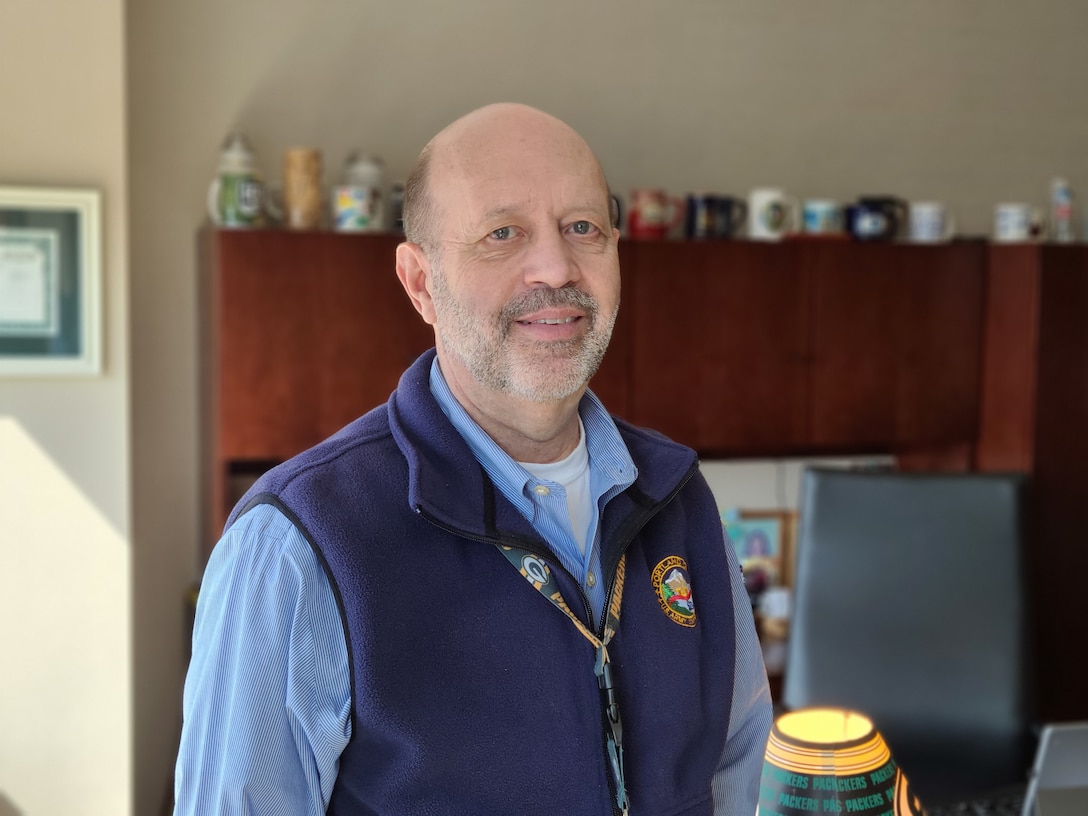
(1006, 804)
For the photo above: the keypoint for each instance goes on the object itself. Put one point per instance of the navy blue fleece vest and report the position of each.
(472, 694)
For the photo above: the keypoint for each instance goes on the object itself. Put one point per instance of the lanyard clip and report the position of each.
(603, 670)
(608, 691)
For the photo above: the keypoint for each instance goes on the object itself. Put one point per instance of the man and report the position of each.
(486, 596)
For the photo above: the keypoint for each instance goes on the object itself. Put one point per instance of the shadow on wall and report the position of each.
(7, 807)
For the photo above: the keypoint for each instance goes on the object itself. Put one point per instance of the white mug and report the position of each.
(1015, 222)
(771, 214)
(930, 223)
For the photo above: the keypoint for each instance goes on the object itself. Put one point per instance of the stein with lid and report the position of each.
(236, 194)
(358, 204)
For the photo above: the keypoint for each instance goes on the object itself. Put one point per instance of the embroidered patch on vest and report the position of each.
(673, 587)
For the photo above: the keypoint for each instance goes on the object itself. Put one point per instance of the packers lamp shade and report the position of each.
(831, 761)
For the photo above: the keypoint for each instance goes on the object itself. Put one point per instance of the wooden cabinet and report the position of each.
(807, 346)
(1034, 419)
(735, 348)
(304, 332)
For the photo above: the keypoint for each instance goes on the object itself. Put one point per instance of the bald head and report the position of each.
(498, 138)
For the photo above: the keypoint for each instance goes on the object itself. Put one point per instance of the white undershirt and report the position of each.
(572, 473)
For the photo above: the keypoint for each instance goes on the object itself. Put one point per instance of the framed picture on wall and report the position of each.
(50, 282)
(764, 543)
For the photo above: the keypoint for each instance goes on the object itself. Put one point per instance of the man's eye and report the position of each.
(503, 233)
(582, 227)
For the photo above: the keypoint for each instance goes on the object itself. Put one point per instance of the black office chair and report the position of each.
(911, 608)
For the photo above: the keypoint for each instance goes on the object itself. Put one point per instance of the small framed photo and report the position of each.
(50, 282)
(764, 543)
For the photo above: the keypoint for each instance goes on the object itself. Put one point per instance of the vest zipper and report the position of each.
(653, 511)
(548, 555)
(521, 544)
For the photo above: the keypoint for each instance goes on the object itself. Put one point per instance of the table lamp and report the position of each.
(831, 761)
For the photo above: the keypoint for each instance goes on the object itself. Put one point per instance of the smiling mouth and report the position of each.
(549, 321)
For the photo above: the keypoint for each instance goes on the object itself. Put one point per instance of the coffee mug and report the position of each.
(356, 208)
(879, 218)
(616, 210)
(771, 214)
(701, 216)
(652, 213)
(1015, 222)
(867, 224)
(930, 223)
(731, 215)
(872, 221)
(821, 217)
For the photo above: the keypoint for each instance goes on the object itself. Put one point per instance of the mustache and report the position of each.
(549, 299)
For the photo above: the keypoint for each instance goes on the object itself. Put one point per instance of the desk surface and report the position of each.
(1063, 802)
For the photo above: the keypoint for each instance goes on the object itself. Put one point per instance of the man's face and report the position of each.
(525, 276)
(501, 352)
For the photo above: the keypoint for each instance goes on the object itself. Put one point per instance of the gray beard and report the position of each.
(547, 373)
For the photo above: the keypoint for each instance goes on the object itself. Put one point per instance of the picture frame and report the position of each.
(50, 282)
(764, 541)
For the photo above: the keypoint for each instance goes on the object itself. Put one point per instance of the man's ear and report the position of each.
(414, 271)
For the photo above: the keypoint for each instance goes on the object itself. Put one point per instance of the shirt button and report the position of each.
(541, 490)
(591, 580)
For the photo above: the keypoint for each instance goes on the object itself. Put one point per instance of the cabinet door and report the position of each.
(367, 330)
(1006, 437)
(1035, 402)
(719, 340)
(896, 344)
(939, 327)
(854, 344)
(311, 333)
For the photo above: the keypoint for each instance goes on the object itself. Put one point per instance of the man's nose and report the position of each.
(551, 261)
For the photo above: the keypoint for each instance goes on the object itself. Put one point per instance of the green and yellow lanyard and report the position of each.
(534, 570)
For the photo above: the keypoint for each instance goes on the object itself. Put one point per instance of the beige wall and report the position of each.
(65, 557)
(971, 102)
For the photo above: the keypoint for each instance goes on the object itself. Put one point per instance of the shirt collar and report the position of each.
(610, 463)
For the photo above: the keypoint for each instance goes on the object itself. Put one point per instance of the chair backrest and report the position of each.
(911, 608)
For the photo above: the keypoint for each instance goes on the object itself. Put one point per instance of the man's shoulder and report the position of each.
(663, 464)
(646, 443)
(369, 431)
(363, 446)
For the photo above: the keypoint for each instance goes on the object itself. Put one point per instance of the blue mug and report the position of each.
(700, 215)
(876, 218)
